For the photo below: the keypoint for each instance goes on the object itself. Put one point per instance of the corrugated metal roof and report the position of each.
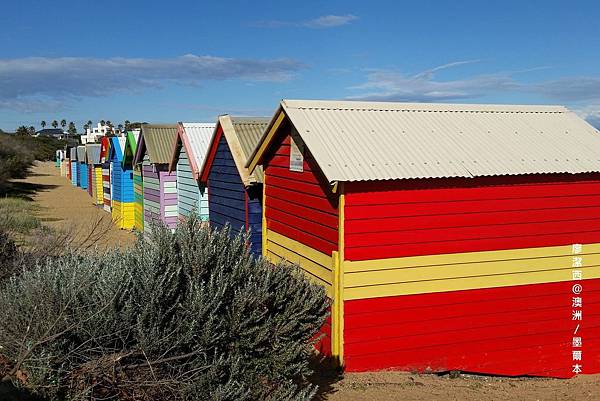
(93, 153)
(158, 141)
(243, 134)
(358, 141)
(81, 153)
(197, 137)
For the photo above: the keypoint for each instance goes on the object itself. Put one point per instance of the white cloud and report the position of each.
(385, 85)
(591, 113)
(34, 83)
(424, 86)
(329, 21)
(325, 21)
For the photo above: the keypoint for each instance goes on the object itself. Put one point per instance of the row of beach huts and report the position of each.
(445, 235)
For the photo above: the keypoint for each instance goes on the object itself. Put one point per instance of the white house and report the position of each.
(94, 134)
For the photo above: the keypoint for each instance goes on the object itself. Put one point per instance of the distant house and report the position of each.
(93, 134)
(52, 132)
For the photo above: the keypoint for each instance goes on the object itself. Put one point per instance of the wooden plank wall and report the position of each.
(470, 275)
(190, 194)
(74, 173)
(83, 175)
(138, 189)
(301, 213)
(106, 185)
(229, 202)
(98, 187)
(90, 174)
(168, 196)
(152, 209)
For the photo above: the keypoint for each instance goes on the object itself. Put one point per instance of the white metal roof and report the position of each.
(358, 141)
(198, 137)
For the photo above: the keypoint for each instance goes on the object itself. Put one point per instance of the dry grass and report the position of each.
(18, 216)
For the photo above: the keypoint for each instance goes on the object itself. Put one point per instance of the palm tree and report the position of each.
(55, 124)
(120, 127)
(63, 123)
(127, 124)
(72, 128)
(43, 124)
(31, 130)
(102, 122)
(89, 124)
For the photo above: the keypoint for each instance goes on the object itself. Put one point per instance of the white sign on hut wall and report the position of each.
(296, 154)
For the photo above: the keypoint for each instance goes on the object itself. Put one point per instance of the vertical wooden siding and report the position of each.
(190, 195)
(229, 202)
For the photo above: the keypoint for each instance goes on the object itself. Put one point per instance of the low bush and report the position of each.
(188, 315)
(18, 152)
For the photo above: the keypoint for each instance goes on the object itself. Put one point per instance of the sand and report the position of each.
(383, 386)
(69, 208)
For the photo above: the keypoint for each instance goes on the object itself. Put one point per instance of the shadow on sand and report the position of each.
(25, 190)
(326, 374)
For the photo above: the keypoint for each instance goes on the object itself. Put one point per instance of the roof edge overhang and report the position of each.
(141, 144)
(268, 135)
(174, 153)
(210, 153)
(239, 157)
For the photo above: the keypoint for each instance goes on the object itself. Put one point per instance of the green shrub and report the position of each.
(188, 315)
(18, 152)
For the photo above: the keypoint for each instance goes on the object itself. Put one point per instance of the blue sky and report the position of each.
(167, 61)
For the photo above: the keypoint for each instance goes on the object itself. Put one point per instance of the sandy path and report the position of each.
(388, 386)
(70, 209)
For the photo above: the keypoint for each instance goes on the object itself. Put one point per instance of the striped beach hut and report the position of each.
(67, 163)
(446, 235)
(61, 157)
(105, 164)
(188, 156)
(235, 193)
(138, 183)
(95, 172)
(160, 186)
(74, 169)
(58, 157)
(121, 178)
(82, 170)
(90, 174)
